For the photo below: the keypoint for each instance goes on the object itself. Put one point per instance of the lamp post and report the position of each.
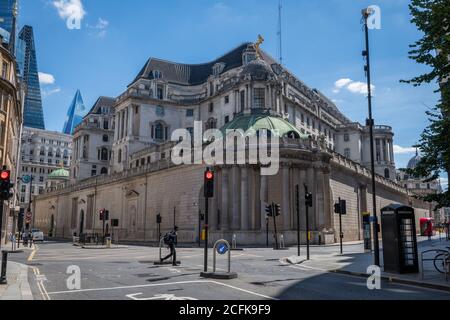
(370, 122)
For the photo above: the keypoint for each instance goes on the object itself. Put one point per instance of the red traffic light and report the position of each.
(5, 175)
(209, 175)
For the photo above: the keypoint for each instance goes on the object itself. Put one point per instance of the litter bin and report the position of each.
(399, 239)
(108, 242)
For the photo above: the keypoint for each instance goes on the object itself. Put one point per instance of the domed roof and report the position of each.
(60, 174)
(257, 67)
(412, 164)
(260, 120)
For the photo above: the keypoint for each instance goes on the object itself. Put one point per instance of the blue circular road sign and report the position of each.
(26, 179)
(222, 248)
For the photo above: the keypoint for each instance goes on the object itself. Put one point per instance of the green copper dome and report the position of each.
(261, 120)
(60, 174)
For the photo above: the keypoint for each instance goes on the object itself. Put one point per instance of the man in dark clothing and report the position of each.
(171, 239)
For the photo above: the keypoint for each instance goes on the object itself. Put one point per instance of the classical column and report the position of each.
(264, 196)
(224, 211)
(302, 178)
(256, 219)
(235, 205)
(320, 205)
(286, 207)
(327, 199)
(311, 183)
(245, 213)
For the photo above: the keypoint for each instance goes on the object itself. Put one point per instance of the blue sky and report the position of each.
(322, 43)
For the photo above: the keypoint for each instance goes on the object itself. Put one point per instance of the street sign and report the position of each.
(222, 248)
(26, 179)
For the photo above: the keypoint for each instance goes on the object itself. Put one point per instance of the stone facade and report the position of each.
(93, 140)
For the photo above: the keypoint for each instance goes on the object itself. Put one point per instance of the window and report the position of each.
(314, 125)
(105, 138)
(347, 153)
(104, 156)
(5, 70)
(211, 107)
(189, 113)
(104, 171)
(160, 92)
(41, 179)
(303, 118)
(242, 100)
(119, 156)
(227, 99)
(93, 173)
(159, 132)
(227, 119)
(157, 74)
(387, 174)
(346, 137)
(259, 98)
(211, 89)
(106, 124)
(24, 189)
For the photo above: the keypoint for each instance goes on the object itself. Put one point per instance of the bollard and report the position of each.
(234, 242)
(4, 265)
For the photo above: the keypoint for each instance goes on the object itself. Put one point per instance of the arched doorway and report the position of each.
(51, 233)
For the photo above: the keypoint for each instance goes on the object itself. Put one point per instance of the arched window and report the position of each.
(157, 74)
(104, 171)
(50, 152)
(104, 156)
(292, 135)
(66, 154)
(58, 153)
(42, 151)
(119, 156)
(387, 174)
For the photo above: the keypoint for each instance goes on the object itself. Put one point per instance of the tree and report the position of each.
(432, 17)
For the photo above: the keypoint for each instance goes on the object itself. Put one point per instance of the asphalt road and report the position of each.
(129, 273)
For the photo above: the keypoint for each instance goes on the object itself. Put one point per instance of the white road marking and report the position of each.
(158, 297)
(164, 284)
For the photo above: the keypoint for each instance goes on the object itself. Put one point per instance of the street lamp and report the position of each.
(366, 13)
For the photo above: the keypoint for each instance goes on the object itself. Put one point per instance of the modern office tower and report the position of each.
(75, 114)
(33, 113)
(6, 18)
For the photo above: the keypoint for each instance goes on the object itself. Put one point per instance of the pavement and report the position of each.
(61, 271)
(17, 287)
(357, 262)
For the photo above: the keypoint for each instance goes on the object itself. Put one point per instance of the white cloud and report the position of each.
(402, 150)
(352, 86)
(49, 92)
(100, 28)
(45, 78)
(70, 9)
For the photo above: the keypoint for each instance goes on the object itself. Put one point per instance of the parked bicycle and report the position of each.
(442, 261)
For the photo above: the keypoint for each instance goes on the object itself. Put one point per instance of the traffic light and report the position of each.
(309, 199)
(277, 209)
(209, 183)
(102, 215)
(341, 207)
(158, 219)
(269, 210)
(5, 185)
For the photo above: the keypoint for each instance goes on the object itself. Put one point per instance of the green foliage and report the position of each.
(432, 17)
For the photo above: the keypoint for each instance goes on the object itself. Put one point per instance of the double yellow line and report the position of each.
(37, 274)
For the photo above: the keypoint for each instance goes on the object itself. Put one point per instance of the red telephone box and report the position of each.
(426, 227)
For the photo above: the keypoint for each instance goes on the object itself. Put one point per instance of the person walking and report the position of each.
(171, 240)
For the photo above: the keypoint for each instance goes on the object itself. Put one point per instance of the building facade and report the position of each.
(7, 8)
(75, 114)
(26, 56)
(11, 111)
(243, 90)
(42, 152)
(93, 141)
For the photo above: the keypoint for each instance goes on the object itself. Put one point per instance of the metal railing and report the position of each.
(437, 252)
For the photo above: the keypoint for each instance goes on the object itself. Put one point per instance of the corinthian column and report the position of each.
(245, 214)
(224, 213)
(286, 208)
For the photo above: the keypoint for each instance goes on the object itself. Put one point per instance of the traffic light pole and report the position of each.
(1, 223)
(275, 225)
(206, 233)
(307, 225)
(372, 156)
(267, 231)
(341, 235)
(297, 194)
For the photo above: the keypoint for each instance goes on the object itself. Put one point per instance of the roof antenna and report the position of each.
(279, 32)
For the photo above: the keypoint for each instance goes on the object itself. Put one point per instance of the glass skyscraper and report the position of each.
(75, 114)
(6, 18)
(26, 56)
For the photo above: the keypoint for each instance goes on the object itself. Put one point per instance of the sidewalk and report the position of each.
(18, 287)
(357, 262)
